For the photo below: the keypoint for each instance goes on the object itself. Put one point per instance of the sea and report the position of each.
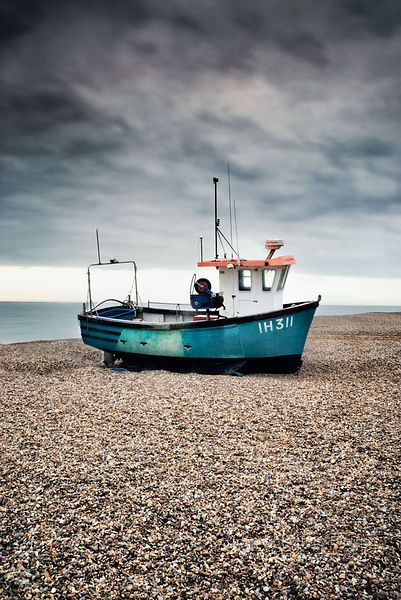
(29, 321)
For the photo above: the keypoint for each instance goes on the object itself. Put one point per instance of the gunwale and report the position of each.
(287, 309)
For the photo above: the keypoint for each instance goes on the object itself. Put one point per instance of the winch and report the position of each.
(204, 299)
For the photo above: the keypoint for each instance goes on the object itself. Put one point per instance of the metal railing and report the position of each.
(178, 306)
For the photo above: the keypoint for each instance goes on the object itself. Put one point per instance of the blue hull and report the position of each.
(268, 342)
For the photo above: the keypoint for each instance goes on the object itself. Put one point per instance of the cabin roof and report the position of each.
(223, 263)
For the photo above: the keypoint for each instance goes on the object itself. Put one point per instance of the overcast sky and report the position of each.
(117, 114)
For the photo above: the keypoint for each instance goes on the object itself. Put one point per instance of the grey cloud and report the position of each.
(340, 153)
(304, 46)
(117, 114)
(381, 18)
(43, 108)
(17, 17)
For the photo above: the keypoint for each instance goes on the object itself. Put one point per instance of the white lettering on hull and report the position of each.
(275, 324)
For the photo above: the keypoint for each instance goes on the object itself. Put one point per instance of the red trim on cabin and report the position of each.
(282, 261)
(279, 261)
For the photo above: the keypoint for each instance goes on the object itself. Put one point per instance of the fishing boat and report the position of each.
(242, 328)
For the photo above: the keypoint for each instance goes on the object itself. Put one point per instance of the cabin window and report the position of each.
(244, 280)
(268, 279)
(282, 278)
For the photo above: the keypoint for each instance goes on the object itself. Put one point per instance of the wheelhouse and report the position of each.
(252, 286)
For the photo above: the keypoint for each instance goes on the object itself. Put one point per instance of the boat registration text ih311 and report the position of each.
(276, 324)
(244, 327)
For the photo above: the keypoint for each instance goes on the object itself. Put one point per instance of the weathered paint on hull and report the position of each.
(272, 342)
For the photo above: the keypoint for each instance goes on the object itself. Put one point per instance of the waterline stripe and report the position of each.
(107, 331)
(97, 337)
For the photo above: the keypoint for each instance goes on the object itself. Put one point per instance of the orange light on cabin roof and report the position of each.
(273, 244)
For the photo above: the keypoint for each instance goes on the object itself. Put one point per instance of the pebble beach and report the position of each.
(151, 484)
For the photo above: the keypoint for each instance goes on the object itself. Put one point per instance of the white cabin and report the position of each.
(252, 286)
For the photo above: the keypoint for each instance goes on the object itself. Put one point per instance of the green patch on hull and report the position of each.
(151, 342)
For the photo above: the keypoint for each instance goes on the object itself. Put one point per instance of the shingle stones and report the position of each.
(163, 485)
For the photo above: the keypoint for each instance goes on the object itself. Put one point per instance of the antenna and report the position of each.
(229, 204)
(98, 246)
(216, 220)
(236, 230)
(201, 248)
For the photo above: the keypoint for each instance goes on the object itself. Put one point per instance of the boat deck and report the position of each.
(158, 313)
(155, 313)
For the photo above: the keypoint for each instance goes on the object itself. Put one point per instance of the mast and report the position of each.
(216, 220)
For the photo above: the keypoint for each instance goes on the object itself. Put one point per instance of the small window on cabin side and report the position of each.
(268, 279)
(244, 280)
(282, 278)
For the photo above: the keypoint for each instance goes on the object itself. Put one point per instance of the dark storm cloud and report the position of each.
(380, 18)
(304, 46)
(117, 114)
(18, 18)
